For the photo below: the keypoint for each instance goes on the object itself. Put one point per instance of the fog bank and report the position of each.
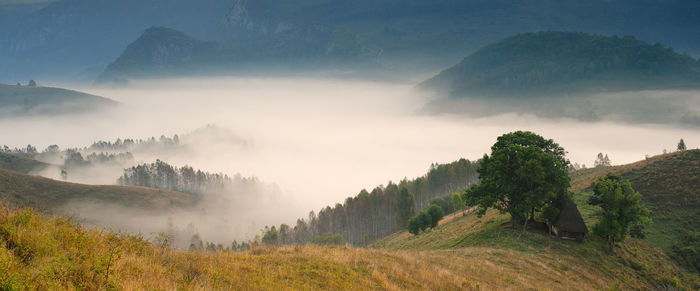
(320, 141)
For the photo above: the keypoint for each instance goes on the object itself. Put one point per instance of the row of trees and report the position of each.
(185, 179)
(134, 144)
(383, 210)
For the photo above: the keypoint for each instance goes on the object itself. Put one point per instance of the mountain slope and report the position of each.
(162, 52)
(31, 100)
(556, 63)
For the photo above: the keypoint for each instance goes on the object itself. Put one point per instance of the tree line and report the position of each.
(185, 179)
(384, 209)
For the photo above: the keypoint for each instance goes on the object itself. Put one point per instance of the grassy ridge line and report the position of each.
(585, 178)
(53, 253)
(20, 164)
(48, 194)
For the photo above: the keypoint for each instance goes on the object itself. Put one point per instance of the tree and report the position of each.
(436, 213)
(444, 202)
(405, 208)
(270, 236)
(681, 145)
(424, 220)
(622, 212)
(458, 202)
(602, 161)
(414, 225)
(524, 174)
(31, 83)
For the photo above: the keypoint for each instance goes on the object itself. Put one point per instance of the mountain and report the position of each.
(78, 38)
(162, 51)
(561, 63)
(16, 100)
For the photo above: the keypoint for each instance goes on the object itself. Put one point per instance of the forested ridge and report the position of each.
(555, 62)
(372, 214)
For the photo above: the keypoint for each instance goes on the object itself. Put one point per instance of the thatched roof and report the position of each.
(570, 219)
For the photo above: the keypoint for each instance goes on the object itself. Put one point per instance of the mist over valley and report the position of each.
(349, 145)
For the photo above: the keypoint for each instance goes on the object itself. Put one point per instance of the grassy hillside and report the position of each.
(670, 188)
(48, 195)
(19, 163)
(53, 253)
(30, 100)
(463, 252)
(669, 185)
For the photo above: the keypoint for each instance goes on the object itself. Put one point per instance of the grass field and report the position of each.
(462, 252)
(53, 253)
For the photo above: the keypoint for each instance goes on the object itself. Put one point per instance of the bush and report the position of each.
(329, 238)
(426, 218)
(436, 213)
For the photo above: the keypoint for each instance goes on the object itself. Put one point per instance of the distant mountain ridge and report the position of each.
(550, 62)
(78, 38)
(162, 51)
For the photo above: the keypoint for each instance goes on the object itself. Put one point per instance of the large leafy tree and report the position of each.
(622, 212)
(524, 175)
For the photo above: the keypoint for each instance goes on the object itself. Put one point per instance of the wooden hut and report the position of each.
(569, 224)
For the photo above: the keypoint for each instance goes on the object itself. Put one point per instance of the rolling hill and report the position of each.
(50, 195)
(566, 63)
(463, 252)
(18, 100)
(20, 164)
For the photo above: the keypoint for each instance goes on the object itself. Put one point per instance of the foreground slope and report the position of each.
(50, 253)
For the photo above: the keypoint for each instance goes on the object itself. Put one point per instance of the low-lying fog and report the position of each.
(318, 140)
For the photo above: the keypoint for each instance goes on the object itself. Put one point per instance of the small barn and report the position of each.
(569, 224)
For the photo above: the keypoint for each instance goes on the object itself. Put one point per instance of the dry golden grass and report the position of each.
(583, 179)
(52, 253)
